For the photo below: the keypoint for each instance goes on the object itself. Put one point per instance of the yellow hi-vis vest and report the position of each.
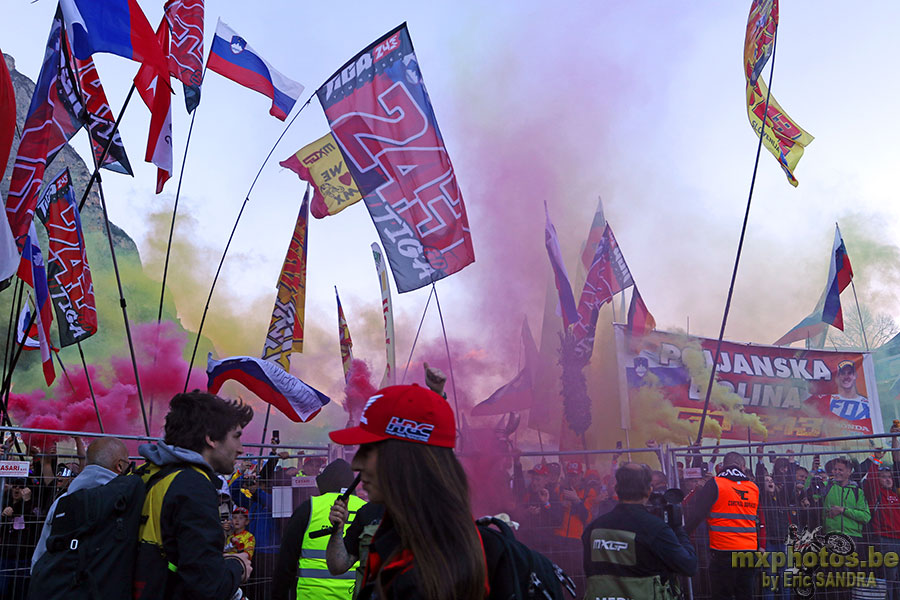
(315, 581)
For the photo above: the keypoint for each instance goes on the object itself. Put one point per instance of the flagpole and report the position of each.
(859, 312)
(231, 237)
(187, 145)
(449, 360)
(416, 339)
(87, 376)
(13, 319)
(737, 259)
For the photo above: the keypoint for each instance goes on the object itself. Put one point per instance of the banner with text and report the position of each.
(796, 393)
(382, 119)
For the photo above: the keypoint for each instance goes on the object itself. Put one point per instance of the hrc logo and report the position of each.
(409, 429)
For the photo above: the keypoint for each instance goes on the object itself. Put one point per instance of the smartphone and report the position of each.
(276, 437)
(619, 445)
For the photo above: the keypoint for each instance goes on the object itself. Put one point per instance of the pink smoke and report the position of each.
(158, 349)
(358, 389)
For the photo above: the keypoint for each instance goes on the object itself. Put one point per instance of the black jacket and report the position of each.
(661, 550)
(192, 536)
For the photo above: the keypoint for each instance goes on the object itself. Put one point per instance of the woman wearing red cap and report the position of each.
(427, 545)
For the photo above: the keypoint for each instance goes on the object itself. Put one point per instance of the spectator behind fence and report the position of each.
(106, 459)
(775, 518)
(301, 552)
(729, 503)
(249, 492)
(19, 529)
(181, 544)
(631, 553)
(880, 486)
(541, 510)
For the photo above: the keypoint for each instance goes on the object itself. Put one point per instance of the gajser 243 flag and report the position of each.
(383, 121)
(68, 273)
(285, 333)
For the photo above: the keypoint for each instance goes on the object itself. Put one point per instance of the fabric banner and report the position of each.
(286, 327)
(779, 393)
(68, 273)
(388, 310)
(185, 21)
(781, 135)
(344, 338)
(322, 165)
(297, 400)
(382, 119)
(560, 274)
(52, 120)
(607, 276)
(100, 117)
(33, 272)
(156, 92)
(9, 254)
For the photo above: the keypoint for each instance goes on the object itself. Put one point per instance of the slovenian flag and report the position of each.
(115, 26)
(566, 298)
(298, 401)
(232, 57)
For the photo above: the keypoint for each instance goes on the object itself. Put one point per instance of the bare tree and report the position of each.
(879, 329)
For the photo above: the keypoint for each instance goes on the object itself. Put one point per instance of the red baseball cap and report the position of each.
(574, 468)
(402, 412)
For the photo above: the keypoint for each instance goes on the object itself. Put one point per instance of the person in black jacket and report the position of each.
(181, 544)
(631, 553)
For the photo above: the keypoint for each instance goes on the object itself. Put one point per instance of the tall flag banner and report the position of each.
(115, 26)
(344, 337)
(598, 224)
(298, 401)
(780, 134)
(518, 394)
(607, 276)
(388, 310)
(322, 165)
(154, 89)
(232, 57)
(563, 286)
(32, 272)
(382, 119)
(184, 19)
(828, 308)
(99, 116)
(9, 254)
(31, 339)
(69, 276)
(53, 118)
(640, 321)
(285, 333)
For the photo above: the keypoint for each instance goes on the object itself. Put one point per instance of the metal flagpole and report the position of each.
(737, 259)
(862, 327)
(416, 339)
(449, 360)
(231, 237)
(87, 376)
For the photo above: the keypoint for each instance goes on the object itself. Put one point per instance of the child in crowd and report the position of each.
(241, 540)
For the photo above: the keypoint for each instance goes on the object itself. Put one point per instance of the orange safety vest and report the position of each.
(732, 518)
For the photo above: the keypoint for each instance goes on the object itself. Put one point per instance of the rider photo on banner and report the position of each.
(787, 394)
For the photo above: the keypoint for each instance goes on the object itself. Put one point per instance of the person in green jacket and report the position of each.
(845, 507)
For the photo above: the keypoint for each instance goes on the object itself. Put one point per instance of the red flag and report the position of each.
(607, 276)
(156, 92)
(640, 321)
(185, 21)
(7, 113)
(32, 272)
(101, 119)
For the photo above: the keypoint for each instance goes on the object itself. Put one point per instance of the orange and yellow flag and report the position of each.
(780, 134)
(285, 333)
(322, 165)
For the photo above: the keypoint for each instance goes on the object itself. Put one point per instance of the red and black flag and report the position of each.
(68, 273)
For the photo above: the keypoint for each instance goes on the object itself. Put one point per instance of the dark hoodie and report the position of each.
(192, 537)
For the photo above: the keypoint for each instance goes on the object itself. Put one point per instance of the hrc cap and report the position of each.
(844, 364)
(402, 412)
(541, 469)
(240, 510)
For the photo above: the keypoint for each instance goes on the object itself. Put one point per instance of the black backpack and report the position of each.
(92, 545)
(522, 573)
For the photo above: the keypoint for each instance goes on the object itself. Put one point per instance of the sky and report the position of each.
(640, 103)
